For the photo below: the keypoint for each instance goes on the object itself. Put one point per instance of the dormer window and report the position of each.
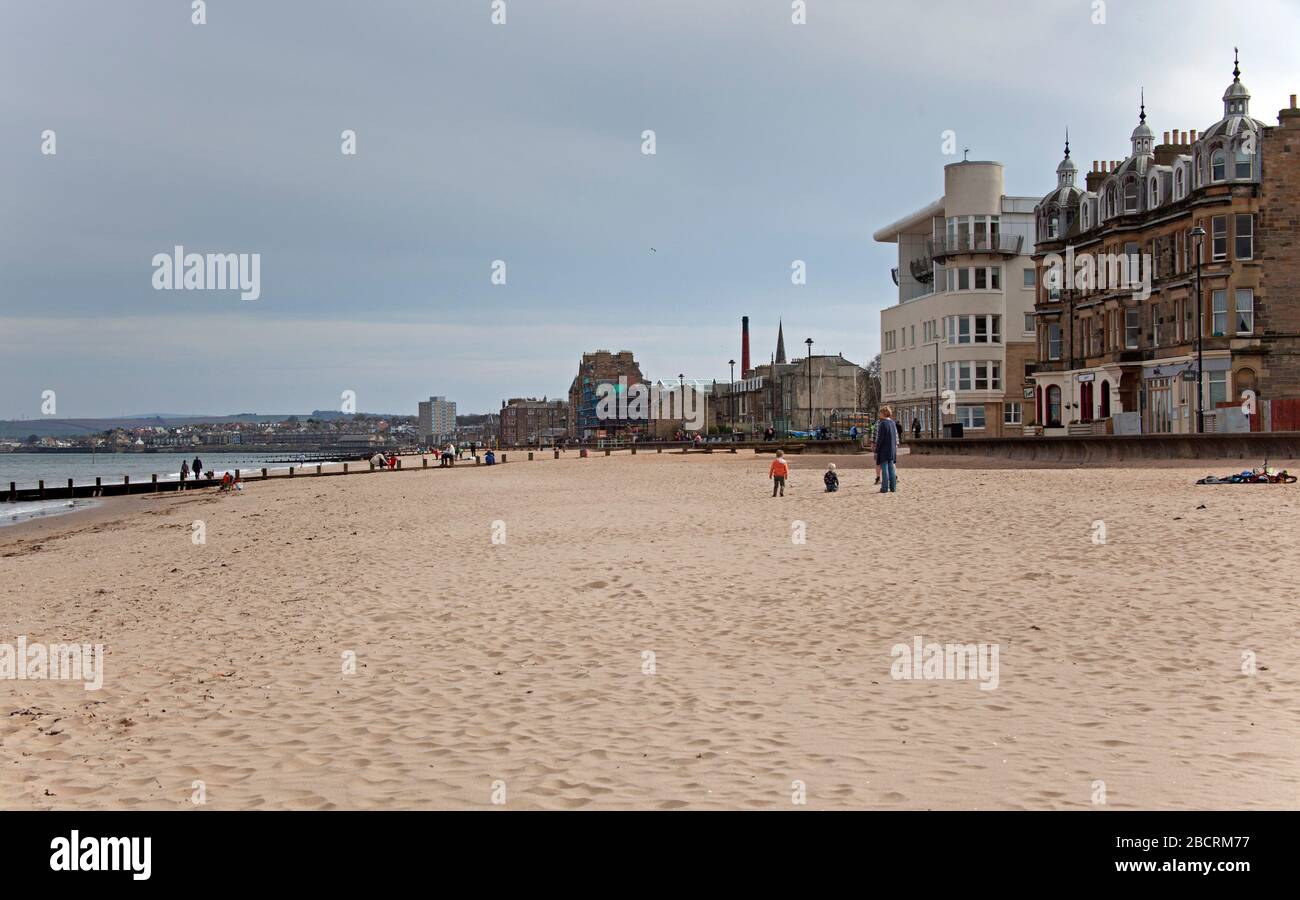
(1110, 202)
(1155, 192)
(1131, 196)
(1053, 225)
(1083, 211)
(1218, 166)
(1178, 184)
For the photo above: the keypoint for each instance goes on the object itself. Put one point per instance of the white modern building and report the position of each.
(437, 418)
(964, 318)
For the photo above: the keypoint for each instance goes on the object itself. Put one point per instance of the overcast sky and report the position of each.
(522, 142)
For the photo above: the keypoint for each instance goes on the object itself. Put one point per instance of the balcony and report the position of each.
(1007, 245)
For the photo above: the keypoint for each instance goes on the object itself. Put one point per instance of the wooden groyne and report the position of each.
(112, 487)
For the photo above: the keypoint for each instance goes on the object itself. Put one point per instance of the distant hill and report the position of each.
(52, 427)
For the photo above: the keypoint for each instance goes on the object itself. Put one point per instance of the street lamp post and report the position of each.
(934, 423)
(1198, 234)
(809, 342)
(681, 379)
(731, 418)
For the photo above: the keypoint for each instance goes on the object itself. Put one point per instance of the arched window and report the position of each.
(1105, 400)
(1218, 166)
(1155, 192)
(1197, 168)
(1131, 196)
(1083, 211)
(1110, 202)
(1054, 406)
(1178, 184)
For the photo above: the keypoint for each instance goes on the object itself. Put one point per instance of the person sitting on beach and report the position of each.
(450, 454)
(239, 484)
(490, 458)
(832, 480)
(226, 482)
(779, 472)
(392, 460)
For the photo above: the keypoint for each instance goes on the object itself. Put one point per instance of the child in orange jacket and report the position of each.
(779, 472)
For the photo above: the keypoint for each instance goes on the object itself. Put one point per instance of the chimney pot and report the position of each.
(1293, 101)
(1193, 135)
(1166, 137)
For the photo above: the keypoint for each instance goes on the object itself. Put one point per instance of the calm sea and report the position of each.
(27, 469)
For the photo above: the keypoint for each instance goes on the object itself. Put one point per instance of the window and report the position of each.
(1155, 192)
(970, 416)
(1178, 184)
(1132, 328)
(1220, 309)
(1029, 370)
(1131, 196)
(1054, 341)
(963, 279)
(890, 339)
(1029, 323)
(995, 277)
(1053, 225)
(1219, 231)
(1030, 278)
(1245, 167)
(904, 380)
(1084, 212)
(1011, 413)
(1245, 237)
(1245, 311)
(1218, 166)
(1054, 284)
(1054, 406)
(981, 279)
(1218, 385)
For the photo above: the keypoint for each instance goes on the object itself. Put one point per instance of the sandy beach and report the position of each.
(648, 633)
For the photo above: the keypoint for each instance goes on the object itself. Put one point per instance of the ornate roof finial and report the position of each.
(1067, 142)
(1143, 116)
(1236, 65)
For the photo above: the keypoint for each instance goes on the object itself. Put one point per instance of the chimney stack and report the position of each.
(744, 345)
(1193, 135)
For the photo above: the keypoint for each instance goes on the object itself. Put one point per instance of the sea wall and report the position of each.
(1109, 448)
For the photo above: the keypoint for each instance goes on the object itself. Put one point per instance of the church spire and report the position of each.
(780, 341)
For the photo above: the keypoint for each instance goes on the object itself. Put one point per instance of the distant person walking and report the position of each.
(185, 471)
(779, 472)
(197, 468)
(887, 451)
(916, 429)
